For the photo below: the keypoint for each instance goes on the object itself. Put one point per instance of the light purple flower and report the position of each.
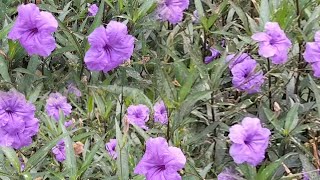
(68, 123)
(273, 43)
(17, 120)
(160, 161)
(160, 113)
(110, 47)
(138, 115)
(214, 55)
(244, 77)
(234, 59)
(55, 103)
(59, 151)
(111, 148)
(229, 174)
(249, 141)
(312, 52)
(172, 10)
(74, 90)
(34, 28)
(93, 10)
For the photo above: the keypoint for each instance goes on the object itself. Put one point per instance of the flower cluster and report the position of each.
(56, 103)
(312, 54)
(250, 141)
(59, 151)
(17, 120)
(139, 114)
(244, 75)
(273, 43)
(160, 160)
(34, 28)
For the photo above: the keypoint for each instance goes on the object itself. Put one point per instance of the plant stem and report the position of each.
(300, 47)
(269, 84)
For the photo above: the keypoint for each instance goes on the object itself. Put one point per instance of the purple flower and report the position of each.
(250, 141)
(214, 55)
(172, 10)
(160, 161)
(138, 115)
(111, 148)
(273, 43)
(17, 120)
(55, 103)
(229, 174)
(110, 47)
(316, 69)
(74, 90)
(34, 28)
(234, 59)
(68, 123)
(59, 151)
(93, 10)
(244, 77)
(160, 113)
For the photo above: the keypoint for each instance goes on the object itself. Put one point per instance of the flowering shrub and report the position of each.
(159, 89)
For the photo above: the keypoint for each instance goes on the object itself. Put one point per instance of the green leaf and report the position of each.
(242, 16)
(264, 12)
(12, 157)
(122, 152)
(4, 69)
(146, 6)
(90, 157)
(248, 171)
(316, 93)
(291, 120)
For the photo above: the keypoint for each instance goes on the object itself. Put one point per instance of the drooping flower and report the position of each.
(34, 28)
(74, 90)
(172, 10)
(273, 43)
(312, 54)
(68, 123)
(93, 10)
(244, 77)
(229, 174)
(138, 115)
(249, 141)
(17, 120)
(160, 161)
(111, 148)
(160, 113)
(214, 55)
(55, 103)
(110, 47)
(234, 59)
(59, 151)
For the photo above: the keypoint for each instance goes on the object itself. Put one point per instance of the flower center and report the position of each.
(9, 110)
(138, 115)
(107, 48)
(34, 30)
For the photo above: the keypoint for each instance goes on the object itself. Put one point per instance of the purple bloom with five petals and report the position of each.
(59, 151)
(111, 148)
(249, 141)
(34, 28)
(17, 120)
(55, 103)
(172, 10)
(138, 115)
(244, 77)
(214, 55)
(160, 113)
(110, 47)
(93, 10)
(273, 43)
(161, 161)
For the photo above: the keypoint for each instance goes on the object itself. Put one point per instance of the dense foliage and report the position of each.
(159, 89)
